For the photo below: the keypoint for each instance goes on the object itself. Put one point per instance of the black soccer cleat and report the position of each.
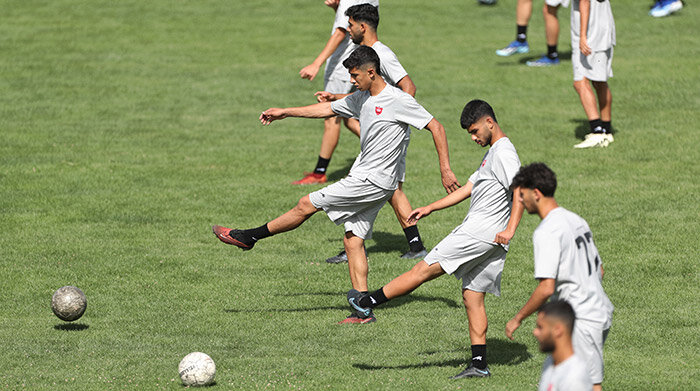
(234, 237)
(472, 371)
(354, 297)
(342, 257)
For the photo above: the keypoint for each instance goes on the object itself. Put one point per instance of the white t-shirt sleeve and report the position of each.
(547, 246)
(391, 68)
(348, 106)
(505, 168)
(410, 112)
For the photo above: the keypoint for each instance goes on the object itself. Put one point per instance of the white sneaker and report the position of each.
(595, 140)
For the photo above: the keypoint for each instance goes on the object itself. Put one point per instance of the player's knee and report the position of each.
(305, 206)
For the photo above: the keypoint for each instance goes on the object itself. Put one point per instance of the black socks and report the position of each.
(321, 165)
(413, 237)
(596, 126)
(256, 234)
(521, 33)
(552, 52)
(373, 299)
(479, 356)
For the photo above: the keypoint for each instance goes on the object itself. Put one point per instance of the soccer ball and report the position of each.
(68, 303)
(197, 369)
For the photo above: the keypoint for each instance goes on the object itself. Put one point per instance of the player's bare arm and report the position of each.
(325, 96)
(585, 10)
(516, 214)
(318, 110)
(333, 4)
(453, 198)
(310, 71)
(406, 85)
(544, 290)
(449, 180)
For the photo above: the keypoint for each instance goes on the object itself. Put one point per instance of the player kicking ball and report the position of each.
(385, 113)
(567, 266)
(475, 251)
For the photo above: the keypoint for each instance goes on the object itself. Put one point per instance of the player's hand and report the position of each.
(511, 326)
(333, 4)
(418, 214)
(504, 237)
(309, 71)
(272, 114)
(583, 46)
(449, 181)
(324, 96)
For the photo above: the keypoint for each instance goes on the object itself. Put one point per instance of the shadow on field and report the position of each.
(500, 352)
(563, 57)
(341, 172)
(385, 242)
(308, 309)
(71, 326)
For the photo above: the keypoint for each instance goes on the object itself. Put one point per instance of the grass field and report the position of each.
(128, 128)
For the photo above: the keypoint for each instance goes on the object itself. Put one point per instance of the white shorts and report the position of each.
(595, 67)
(588, 340)
(556, 3)
(338, 86)
(352, 202)
(477, 263)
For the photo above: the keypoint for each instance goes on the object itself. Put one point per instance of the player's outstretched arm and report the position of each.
(516, 214)
(310, 71)
(544, 290)
(449, 180)
(453, 198)
(318, 110)
(325, 96)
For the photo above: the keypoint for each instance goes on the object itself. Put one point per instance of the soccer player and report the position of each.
(475, 251)
(567, 266)
(523, 12)
(563, 370)
(336, 80)
(385, 112)
(592, 41)
(363, 20)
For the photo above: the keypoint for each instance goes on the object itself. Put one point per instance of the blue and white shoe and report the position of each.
(543, 61)
(665, 7)
(354, 297)
(514, 47)
(472, 371)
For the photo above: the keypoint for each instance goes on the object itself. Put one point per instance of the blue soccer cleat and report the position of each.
(543, 61)
(514, 47)
(665, 7)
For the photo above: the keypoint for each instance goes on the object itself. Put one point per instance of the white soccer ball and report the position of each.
(197, 369)
(68, 303)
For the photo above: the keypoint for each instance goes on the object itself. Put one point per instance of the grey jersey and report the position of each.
(334, 64)
(570, 375)
(384, 121)
(491, 198)
(601, 26)
(389, 64)
(564, 251)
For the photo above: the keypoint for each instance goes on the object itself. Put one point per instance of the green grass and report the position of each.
(128, 128)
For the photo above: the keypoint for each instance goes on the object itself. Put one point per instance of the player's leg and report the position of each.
(246, 239)
(523, 12)
(605, 104)
(331, 134)
(357, 261)
(478, 324)
(402, 209)
(551, 32)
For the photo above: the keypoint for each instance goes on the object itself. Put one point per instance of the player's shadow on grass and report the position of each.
(563, 57)
(583, 128)
(341, 172)
(71, 326)
(385, 242)
(206, 386)
(500, 352)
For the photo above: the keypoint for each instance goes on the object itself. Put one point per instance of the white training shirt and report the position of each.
(570, 375)
(601, 26)
(564, 251)
(384, 121)
(334, 64)
(389, 65)
(491, 199)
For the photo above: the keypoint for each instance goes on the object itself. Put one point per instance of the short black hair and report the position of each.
(364, 13)
(536, 176)
(474, 111)
(362, 56)
(561, 310)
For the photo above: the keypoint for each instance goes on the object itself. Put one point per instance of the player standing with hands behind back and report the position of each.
(567, 266)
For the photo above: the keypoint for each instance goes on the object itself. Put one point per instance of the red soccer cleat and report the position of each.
(311, 178)
(233, 237)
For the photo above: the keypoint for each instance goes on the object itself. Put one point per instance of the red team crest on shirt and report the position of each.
(378, 110)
